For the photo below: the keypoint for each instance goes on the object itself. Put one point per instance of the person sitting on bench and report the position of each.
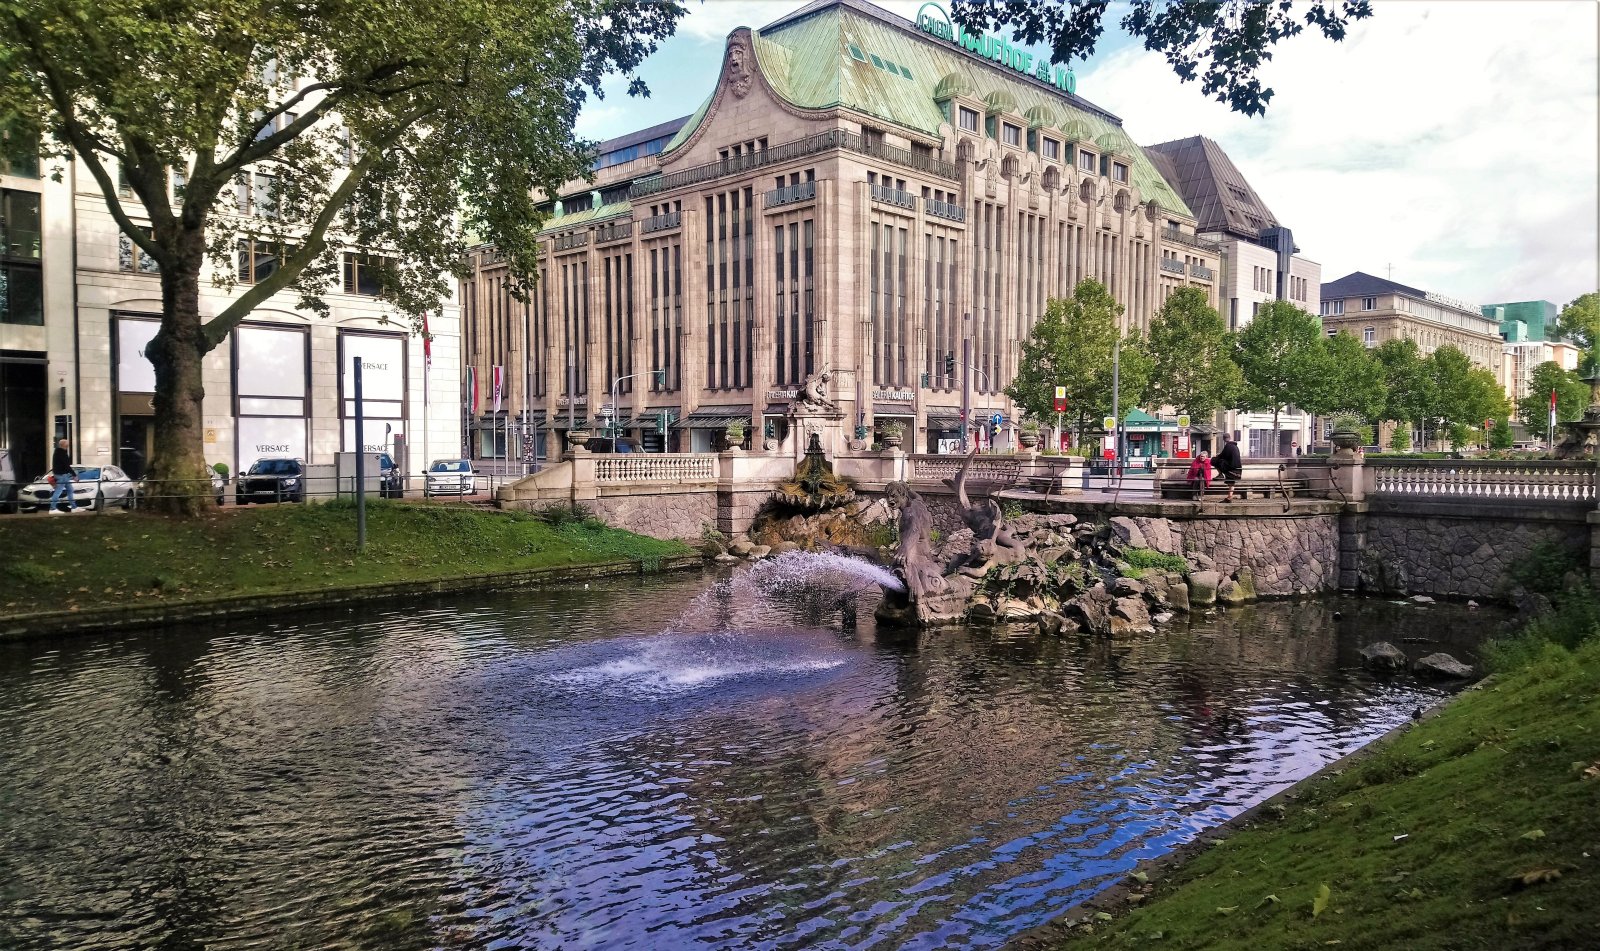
(1199, 474)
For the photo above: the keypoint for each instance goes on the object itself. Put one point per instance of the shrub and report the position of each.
(1142, 559)
(1545, 568)
(1400, 439)
(1575, 620)
(562, 513)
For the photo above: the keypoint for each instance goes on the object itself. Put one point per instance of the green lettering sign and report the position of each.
(934, 21)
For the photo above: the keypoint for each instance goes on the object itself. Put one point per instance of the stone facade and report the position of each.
(1285, 556)
(1463, 557)
(683, 516)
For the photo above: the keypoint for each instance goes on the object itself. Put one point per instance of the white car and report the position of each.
(91, 487)
(450, 477)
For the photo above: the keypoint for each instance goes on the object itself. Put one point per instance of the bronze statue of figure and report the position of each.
(992, 543)
(914, 559)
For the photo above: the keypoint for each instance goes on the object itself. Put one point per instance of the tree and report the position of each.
(1073, 346)
(1344, 377)
(1580, 322)
(420, 123)
(1501, 437)
(1224, 42)
(1464, 395)
(1572, 395)
(1191, 356)
(1278, 353)
(1408, 384)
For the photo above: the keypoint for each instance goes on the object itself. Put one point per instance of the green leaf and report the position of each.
(1532, 834)
(1319, 904)
(1228, 910)
(1139, 877)
(1267, 900)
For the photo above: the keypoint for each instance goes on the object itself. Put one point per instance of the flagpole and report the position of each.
(427, 366)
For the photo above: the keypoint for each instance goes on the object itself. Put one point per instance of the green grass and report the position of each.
(1141, 559)
(88, 561)
(1476, 829)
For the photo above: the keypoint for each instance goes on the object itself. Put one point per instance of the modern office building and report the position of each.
(1519, 360)
(859, 194)
(1525, 321)
(80, 302)
(1260, 263)
(1376, 309)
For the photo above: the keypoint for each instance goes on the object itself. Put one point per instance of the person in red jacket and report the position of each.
(1199, 474)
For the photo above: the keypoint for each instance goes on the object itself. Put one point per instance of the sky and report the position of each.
(1453, 142)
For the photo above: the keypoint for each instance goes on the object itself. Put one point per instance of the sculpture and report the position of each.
(813, 393)
(914, 559)
(992, 543)
(739, 75)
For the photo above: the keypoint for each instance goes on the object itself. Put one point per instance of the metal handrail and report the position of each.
(1202, 272)
(944, 209)
(666, 222)
(893, 196)
(789, 151)
(1194, 241)
(1172, 265)
(789, 194)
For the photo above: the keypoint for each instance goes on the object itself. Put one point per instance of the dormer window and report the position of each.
(1119, 172)
(1012, 135)
(969, 119)
(1086, 161)
(1369, 303)
(1051, 149)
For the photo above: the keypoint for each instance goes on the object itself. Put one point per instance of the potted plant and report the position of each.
(894, 433)
(1028, 435)
(1346, 433)
(735, 435)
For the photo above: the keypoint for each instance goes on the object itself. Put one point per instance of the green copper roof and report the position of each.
(601, 213)
(806, 59)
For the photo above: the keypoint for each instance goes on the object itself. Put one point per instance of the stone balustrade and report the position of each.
(935, 468)
(1539, 482)
(655, 467)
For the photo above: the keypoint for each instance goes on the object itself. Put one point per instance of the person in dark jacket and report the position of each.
(1229, 466)
(61, 468)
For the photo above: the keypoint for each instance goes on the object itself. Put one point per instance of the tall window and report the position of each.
(730, 281)
(575, 324)
(794, 323)
(666, 315)
(968, 118)
(258, 260)
(617, 272)
(364, 273)
(940, 324)
(19, 155)
(1369, 336)
(21, 280)
(1086, 161)
(1051, 149)
(253, 194)
(888, 310)
(1011, 135)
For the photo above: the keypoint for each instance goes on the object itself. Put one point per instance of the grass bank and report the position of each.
(84, 562)
(1476, 828)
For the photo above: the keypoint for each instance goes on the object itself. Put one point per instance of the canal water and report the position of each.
(650, 764)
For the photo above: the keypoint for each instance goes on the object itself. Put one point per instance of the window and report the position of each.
(21, 294)
(19, 225)
(19, 155)
(1369, 303)
(968, 119)
(1333, 308)
(1119, 172)
(363, 273)
(1369, 336)
(1013, 134)
(253, 194)
(130, 257)
(1052, 150)
(259, 259)
(1086, 160)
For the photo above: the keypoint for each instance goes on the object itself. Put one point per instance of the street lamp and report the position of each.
(661, 379)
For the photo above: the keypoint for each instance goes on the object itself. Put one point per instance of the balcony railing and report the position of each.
(894, 196)
(1172, 265)
(831, 140)
(789, 194)
(614, 231)
(666, 222)
(1203, 273)
(1532, 481)
(572, 239)
(1190, 240)
(944, 209)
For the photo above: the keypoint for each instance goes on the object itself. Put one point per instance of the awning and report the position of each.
(714, 417)
(560, 422)
(900, 411)
(944, 417)
(1141, 422)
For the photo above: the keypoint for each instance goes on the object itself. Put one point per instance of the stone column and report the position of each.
(584, 487)
(1352, 542)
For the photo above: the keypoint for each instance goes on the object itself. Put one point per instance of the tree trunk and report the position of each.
(178, 481)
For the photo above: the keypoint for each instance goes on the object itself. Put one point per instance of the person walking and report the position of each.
(61, 468)
(1229, 466)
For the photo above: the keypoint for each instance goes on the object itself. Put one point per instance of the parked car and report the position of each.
(272, 479)
(92, 486)
(390, 485)
(450, 477)
(140, 492)
(8, 482)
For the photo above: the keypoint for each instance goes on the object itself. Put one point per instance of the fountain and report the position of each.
(1583, 435)
(816, 509)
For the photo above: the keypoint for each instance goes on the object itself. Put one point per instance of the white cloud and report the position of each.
(710, 21)
(1455, 141)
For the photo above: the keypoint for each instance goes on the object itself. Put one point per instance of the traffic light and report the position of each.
(661, 379)
(925, 382)
(949, 364)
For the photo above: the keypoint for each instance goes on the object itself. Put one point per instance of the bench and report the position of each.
(1243, 489)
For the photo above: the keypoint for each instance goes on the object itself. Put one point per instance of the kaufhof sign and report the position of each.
(934, 21)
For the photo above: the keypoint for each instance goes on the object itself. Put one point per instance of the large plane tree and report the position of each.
(394, 129)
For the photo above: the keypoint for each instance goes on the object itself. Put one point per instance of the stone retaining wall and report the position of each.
(660, 515)
(1457, 556)
(1288, 555)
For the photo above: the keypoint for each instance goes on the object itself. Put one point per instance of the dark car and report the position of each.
(8, 482)
(390, 485)
(272, 480)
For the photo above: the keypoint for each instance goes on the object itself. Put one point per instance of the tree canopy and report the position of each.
(1408, 385)
(1344, 377)
(1279, 355)
(1191, 355)
(1572, 396)
(1222, 42)
(1580, 322)
(1073, 346)
(394, 130)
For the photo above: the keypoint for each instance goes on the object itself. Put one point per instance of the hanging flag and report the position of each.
(427, 360)
(472, 391)
(499, 383)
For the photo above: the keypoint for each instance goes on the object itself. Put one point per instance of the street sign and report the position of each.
(1061, 399)
(1488, 424)
(1183, 420)
(1109, 423)
(605, 410)
(997, 419)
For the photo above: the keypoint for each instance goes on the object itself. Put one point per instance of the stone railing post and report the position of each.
(1349, 478)
(585, 484)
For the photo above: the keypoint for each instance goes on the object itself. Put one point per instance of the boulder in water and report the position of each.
(1203, 587)
(1092, 610)
(1129, 618)
(1383, 655)
(1442, 665)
